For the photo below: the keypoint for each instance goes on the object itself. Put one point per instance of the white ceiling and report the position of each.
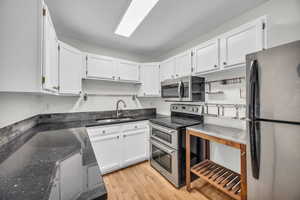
(169, 25)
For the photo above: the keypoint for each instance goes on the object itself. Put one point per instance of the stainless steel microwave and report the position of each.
(188, 88)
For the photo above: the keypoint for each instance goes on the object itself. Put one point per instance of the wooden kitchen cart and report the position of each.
(226, 180)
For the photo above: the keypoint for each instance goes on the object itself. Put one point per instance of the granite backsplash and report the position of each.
(9, 133)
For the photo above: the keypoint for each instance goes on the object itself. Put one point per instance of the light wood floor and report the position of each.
(141, 182)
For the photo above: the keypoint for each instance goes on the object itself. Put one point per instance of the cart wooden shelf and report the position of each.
(226, 180)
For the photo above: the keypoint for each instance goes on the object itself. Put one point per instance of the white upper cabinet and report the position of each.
(150, 81)
(50, 54)
(128, 71)
(236, 44)
(70, 69)
(183, 64)
(206, 57)
(167, 69)
(113, 69)
(100, 67)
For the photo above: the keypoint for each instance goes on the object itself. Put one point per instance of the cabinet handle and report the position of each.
(124, 136)
(113, 77)
(118, 137)
(216, 66)
(135, 126)
(103, 131)
(224, 63)
(119, 77)
(176, 75)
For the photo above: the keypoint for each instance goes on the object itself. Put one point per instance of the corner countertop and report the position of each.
(30, 164)
(232, 134)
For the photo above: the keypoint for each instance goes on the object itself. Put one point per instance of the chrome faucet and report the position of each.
(117, 107)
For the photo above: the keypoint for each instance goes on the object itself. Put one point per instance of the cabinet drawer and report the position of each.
(135, 126)
(103, 130)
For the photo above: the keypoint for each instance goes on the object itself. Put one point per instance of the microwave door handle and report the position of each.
(181, 89)
(178, 89)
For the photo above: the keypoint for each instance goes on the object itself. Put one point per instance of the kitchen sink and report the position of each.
(114, 120)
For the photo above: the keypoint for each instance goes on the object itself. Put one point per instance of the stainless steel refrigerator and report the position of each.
(273, 125)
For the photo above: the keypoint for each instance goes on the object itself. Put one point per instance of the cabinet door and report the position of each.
(93, 177)
(128, 71)
(108, 152)
(100, 67)
(50, 54)
(167, 69)
(71, 177)
(207, 56)
(70, 69)
(134, 146)
(183, 64)
(149, 77)
(236, 44)
(54, 192)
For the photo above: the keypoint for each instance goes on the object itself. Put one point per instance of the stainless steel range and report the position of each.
(167, 142)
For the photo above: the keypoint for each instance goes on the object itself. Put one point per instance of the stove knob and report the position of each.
(196, 109)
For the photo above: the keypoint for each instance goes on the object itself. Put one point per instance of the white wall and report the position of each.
(15, 107)
(283, 25)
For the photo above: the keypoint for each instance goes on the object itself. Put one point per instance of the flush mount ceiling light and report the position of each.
(134, 15)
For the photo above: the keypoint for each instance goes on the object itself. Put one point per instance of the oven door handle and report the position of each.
(163, 129)
(163, 147)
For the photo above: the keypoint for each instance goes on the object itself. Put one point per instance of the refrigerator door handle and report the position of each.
(254, 133)
(254, 126)
(254, 91)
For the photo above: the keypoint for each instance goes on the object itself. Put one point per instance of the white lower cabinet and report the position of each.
(107, 150)
(71, 186)
(134, 147)
(120, 145)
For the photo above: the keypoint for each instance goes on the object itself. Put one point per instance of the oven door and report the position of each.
(165, 160)
(165, 135)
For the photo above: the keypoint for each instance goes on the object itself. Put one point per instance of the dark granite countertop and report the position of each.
(50, 154)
